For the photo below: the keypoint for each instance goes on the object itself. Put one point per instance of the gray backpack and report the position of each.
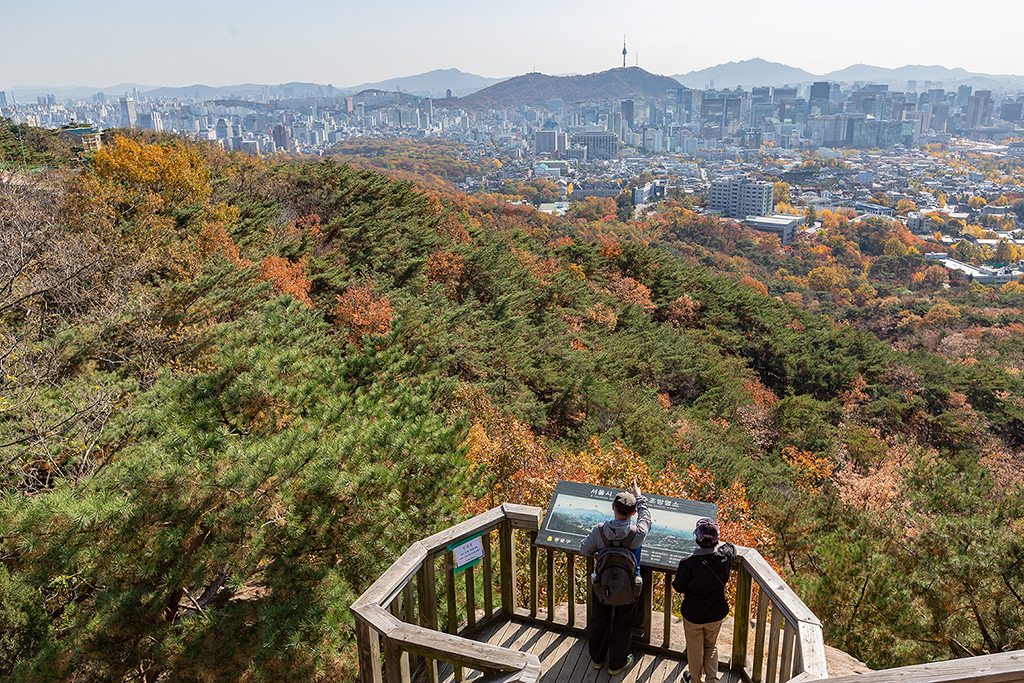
(616, 579)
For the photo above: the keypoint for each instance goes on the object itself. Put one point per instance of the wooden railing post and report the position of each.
(533, 574)
(773, 645)
(646, 604)
(470, 599)
(570, 562)
(590, 589)
(741, 619)
(449, 580)
(488, 578)
(789, 637)
(427, 580)
(757, 667)
(397, 663)
(507, 557)
(550, 602)
(369, 653)
(666, 629)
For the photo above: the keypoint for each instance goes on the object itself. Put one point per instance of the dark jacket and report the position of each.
(701, 578)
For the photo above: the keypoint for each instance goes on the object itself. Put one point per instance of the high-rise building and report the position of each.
(282, 138)
(3, 99)
(1011, 111)
(963, 93)
(761, 95)
(793, 110)
(741, 197)
(939, 116)
(627, 113)
(129, 117)
(615, 123)
(600, 145)
(549, 141)
(784, 93)
(979, 109)
(821, 90)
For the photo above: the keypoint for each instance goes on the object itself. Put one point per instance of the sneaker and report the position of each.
(629, 663)
(596, 665)
(686, 676)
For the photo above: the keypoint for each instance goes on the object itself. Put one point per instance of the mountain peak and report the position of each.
(536, 88)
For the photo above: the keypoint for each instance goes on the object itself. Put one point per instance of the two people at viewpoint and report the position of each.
(700, 578)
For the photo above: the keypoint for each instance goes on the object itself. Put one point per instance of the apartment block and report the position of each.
(741, 197)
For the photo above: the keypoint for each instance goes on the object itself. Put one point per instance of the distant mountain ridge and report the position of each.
(536, 88)
(747, 74)
(432, 83)
(759, 72)
(474, 91)
(429, 84)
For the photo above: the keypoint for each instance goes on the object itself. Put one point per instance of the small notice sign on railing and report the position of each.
(467, 553)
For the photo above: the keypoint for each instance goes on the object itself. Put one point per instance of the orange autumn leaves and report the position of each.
(144, 185)
(523, 469)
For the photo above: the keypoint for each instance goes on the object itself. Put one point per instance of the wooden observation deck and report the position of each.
(503, 621)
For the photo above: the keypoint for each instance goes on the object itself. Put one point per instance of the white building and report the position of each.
(741, 197)
(783, 225)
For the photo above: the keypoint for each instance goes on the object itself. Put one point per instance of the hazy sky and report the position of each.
(224, 42)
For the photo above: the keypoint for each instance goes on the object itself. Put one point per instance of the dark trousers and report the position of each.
(611, 632)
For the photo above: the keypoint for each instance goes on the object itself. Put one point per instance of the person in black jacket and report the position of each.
(701, 579)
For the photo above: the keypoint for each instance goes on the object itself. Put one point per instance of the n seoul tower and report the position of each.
(623, 52)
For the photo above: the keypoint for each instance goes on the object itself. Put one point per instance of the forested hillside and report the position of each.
(235, 390)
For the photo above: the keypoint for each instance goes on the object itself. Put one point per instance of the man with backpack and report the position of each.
(615, 583)
(701, 578)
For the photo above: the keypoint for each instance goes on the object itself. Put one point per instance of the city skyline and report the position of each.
(348, 44)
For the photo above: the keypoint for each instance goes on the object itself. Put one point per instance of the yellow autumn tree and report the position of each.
(151, 201)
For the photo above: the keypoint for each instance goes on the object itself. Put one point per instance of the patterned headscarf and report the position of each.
(706, 532)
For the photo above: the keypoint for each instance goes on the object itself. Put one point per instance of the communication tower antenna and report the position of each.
(623, 50)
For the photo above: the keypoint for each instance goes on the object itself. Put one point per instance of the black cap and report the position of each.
(625, 503)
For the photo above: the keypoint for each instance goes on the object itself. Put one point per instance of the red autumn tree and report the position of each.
(363, 311)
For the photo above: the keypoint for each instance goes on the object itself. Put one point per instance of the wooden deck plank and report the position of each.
(546, 646)
(504, 634)
(660, 674)
(527, 638)
(642, 668)
(674, 670)
(515, 631)
(563, 659)
(583, 672)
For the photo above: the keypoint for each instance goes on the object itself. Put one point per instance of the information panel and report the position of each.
(575, 508)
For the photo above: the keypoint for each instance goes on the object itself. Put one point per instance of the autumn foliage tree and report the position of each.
(364, 312)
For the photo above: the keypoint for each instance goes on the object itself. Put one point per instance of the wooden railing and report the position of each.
(400, 610)
(398, 616)
(776, 637)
